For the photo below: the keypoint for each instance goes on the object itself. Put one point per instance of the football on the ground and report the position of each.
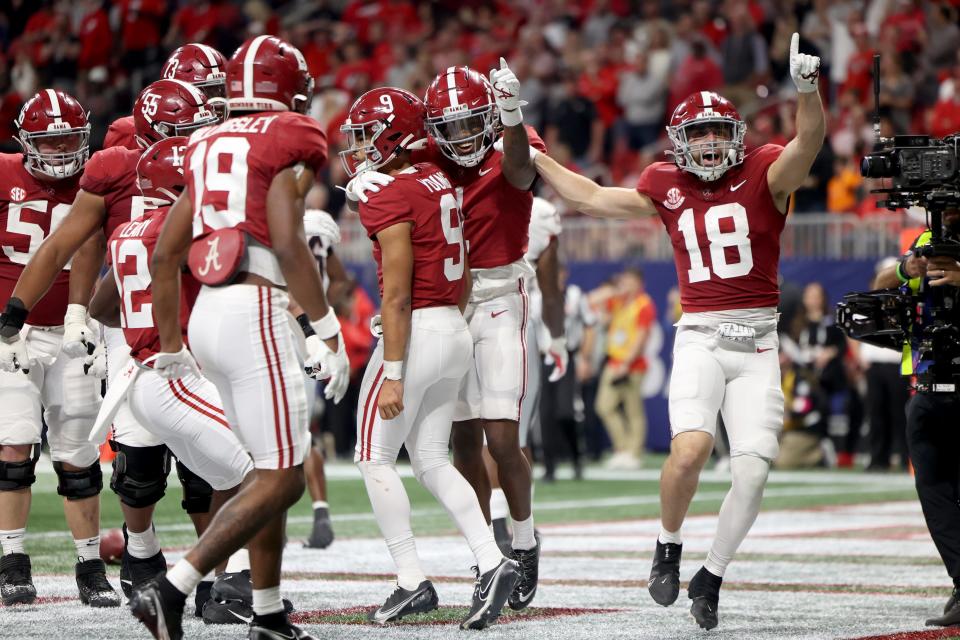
(111, 546)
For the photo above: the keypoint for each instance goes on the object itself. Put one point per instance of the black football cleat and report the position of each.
(137, 571)
(529, 563)
(704, 590)
(490, 592)
(16, 580)
(951, 612)
(95, 590)
(290, 632)
(162, 618)
(227, 612)
(321, 536)
(664, 583)
(403, 603)
(501, 533)
(233, 586)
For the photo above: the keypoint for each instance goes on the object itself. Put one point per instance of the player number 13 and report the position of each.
(719, 241)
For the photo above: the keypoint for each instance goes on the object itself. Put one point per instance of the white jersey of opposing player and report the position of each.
(545, 224)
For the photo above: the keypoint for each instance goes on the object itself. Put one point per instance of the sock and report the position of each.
(184, 577)
(320, 504)
(669, 537)
(88, 548)
(498, 505)
(459, 500)
(143, 545)
(267, 601)
(738, 511)
(238, 561)
(277, 620)
(523, 534)
(12, 540)
(391, 508)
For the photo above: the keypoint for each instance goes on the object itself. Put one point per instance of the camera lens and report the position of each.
(877, 166)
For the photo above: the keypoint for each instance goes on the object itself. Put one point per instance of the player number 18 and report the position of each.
(719, 240)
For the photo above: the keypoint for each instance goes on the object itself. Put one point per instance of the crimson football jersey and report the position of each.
(112, 174)
(423, 196)
(230, 166)
(130, 250)
(725, 234)
(496, 214)
(120, 133)
(30, 209)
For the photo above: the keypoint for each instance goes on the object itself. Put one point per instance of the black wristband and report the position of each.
(12, 318)
(304, 321)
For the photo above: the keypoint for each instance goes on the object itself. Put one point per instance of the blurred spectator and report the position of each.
(845, 186)
(697, 72)
(641, 96)
(896, 92)
(944, 118)
(620, 395)
(95, 37)
(571, 119)
(744, 55)
(941, 36)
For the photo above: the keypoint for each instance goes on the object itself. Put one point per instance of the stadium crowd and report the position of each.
(601, 78)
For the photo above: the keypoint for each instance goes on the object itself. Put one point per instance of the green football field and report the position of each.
(833, 555)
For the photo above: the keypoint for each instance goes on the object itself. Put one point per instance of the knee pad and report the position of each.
(76, 485)
(19, 475)
(197, 492)
(140, 474)
(749, 473)
(421, 466)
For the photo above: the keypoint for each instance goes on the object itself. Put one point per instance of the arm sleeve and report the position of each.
(389, 207)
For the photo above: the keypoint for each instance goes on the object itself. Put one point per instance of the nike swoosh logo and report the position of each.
(764, 350)
(523, 598)
(485, 172)
(384, 614)
(734, 187)
(494, 314)
(245, 619)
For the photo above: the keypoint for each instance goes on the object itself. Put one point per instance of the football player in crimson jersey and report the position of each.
(109, 197)
(464, 114)
(37, 188)
(408, 393)
(194, 63)
(243, 211)
(724, 209)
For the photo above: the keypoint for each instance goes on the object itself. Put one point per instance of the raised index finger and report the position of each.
(503, 63)
(794, 45)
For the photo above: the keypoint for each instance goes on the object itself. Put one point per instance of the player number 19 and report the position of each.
(719, 240)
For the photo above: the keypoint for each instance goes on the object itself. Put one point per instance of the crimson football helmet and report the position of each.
(160, 169)
(170, 108)
(381, 123)
(202, 66)
(707, 135)
(268, 74)
(54, 132)
(462, 115)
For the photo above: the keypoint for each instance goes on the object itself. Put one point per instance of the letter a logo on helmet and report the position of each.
(268, 74)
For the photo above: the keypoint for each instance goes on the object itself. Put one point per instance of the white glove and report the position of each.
(333, 366)
(76, 332)
(366, 182)
(506, 90)
(376, 326)
(95, 364)
(174, 365)
(498, 146)
(13, 355)
(558, 356)
(804, 69)
(317, 222)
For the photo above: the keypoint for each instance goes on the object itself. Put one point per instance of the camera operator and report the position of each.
(933, 432)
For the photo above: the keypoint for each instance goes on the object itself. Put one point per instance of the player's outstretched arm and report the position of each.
(789, 171)
(84, 218)
(170, 252)
(517, 167)
(341, 282)
(395, 312)
(548, 279)
(105, 302)
(586, 196)
(85, 267)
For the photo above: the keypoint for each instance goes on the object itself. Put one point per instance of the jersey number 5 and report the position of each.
(719, 241)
